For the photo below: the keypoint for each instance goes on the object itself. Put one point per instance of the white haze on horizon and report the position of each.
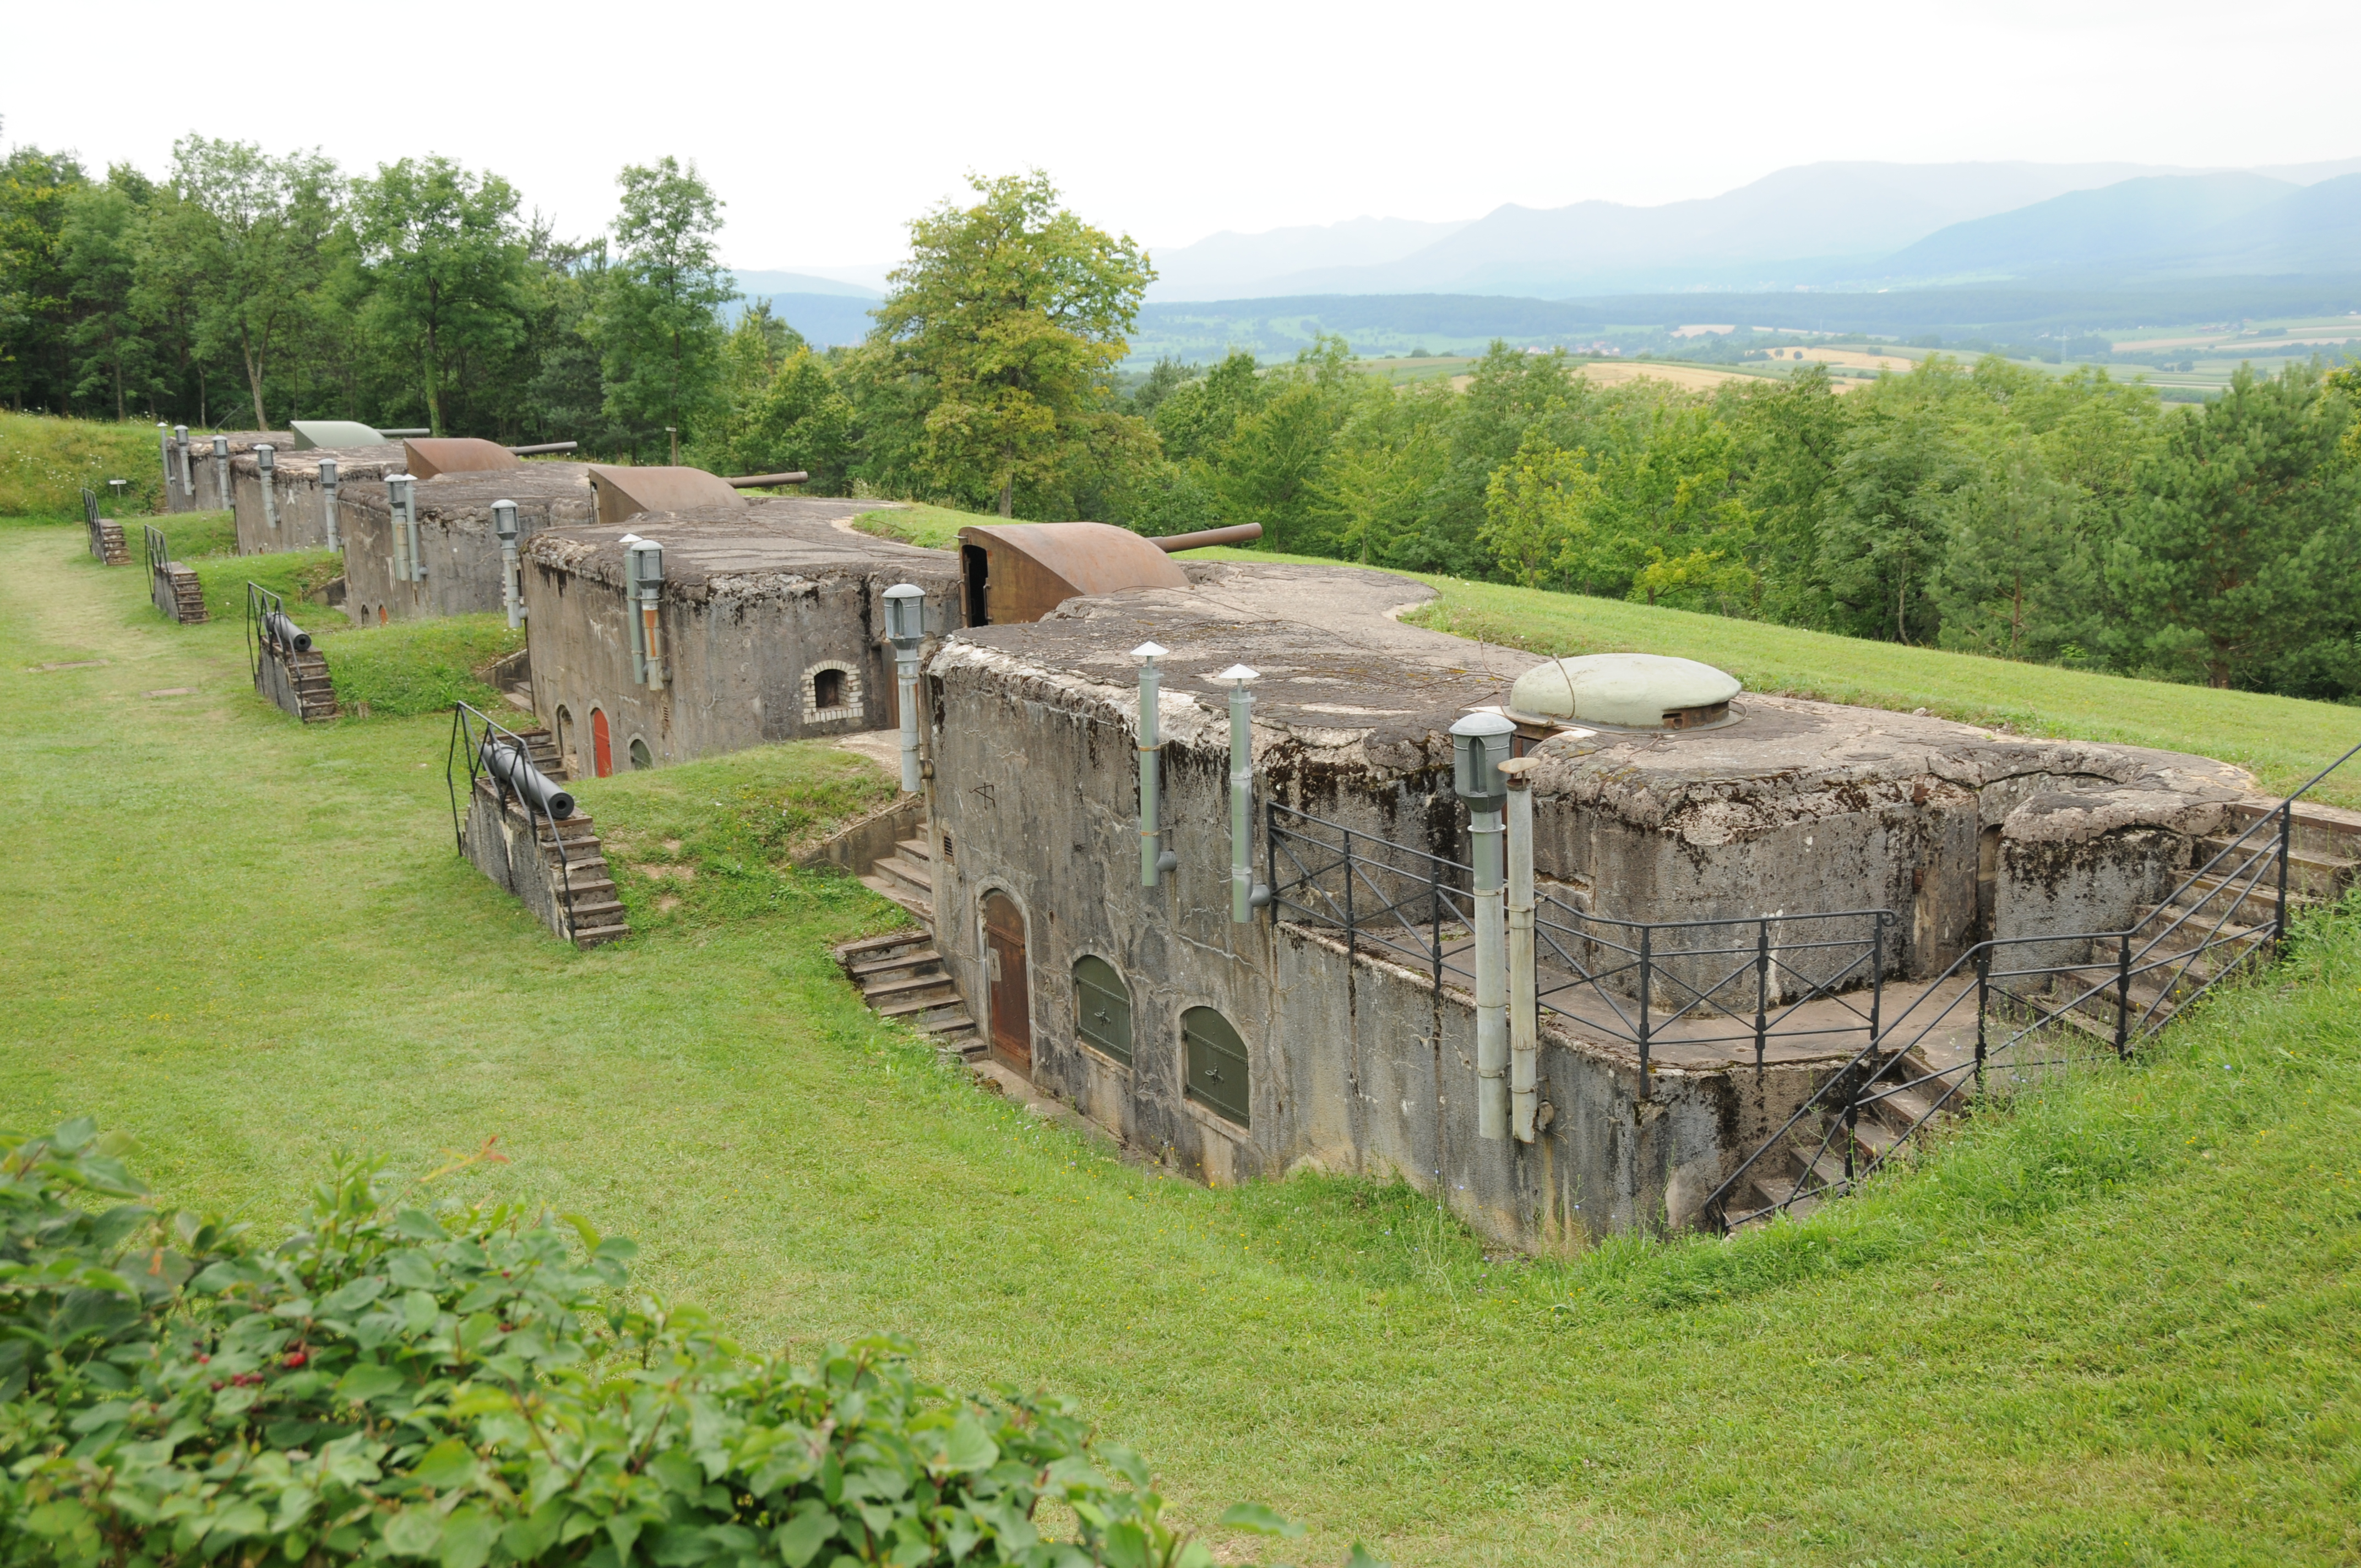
(827, 129)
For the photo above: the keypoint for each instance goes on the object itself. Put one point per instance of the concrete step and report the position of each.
(918, 1005)
(861, 971)
(918, 875)
(918, 853)
(595, 911)
(907, 990)
(886, 942)
(898, 892)
(599, 935)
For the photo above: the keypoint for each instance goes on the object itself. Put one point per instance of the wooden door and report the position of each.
(602, 750)
(1011, 1003)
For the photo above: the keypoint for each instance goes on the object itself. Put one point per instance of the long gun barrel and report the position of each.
(1238, 534)
(759, 481)
(514, 769)
(545, 446)
(286, 633)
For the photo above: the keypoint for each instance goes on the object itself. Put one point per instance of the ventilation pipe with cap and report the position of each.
(1479, 744)
(1245, 897)
(221, 473)
(504, 524)
(402, 499)
(905, 627)
(1154, 860)
(164, 450)
(328, 501)
(644, 587)
(266, 462)
(188, 475)
(1524, 1002)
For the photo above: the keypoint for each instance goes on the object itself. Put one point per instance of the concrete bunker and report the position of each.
(418, 548)
(285, 497)
(1858, 847)
(685, 633)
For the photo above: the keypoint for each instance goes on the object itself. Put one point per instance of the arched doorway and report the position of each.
(565, 757)
(602, 750)
(1010, 1003)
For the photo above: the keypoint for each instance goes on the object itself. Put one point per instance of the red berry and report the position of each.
(297, 1358)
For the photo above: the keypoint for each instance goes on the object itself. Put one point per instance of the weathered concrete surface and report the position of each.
(454, 537)
(301, 503)
(757, 603)
(860, 844)
(502, 839)
(1355, 1064)
(213, 492)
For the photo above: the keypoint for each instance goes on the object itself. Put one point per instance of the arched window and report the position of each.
(1103, 1008)
(641, 756)
(1214, 1065)
(828, 689)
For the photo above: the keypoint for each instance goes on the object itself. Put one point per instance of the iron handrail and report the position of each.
(1855, 1080)
(159, 550)
(261, 604)
(471, 741)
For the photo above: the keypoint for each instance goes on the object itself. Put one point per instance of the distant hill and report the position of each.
(825, 320)
(2115, 223)
(801, 283)
(1818, 225)
(1445, 324)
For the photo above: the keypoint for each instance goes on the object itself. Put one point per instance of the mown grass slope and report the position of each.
(46, 462)
(2119, 1324)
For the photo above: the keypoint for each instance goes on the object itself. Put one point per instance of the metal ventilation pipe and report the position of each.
(164, 450)
(504, 523)
(266, 462)
(221, 473)
(188, 475)
(328, 501)
(644, 587)
(402, 499)
(1245, 897)
(1524, 1004)
(1479, 744)
(1154, 860)
(905, 627)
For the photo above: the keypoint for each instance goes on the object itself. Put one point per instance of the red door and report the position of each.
(1011, 1006)
(602, 752)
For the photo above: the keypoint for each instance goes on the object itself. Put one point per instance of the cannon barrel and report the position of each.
(535, 788)
(285, 633)
(1237, 534)
(545, 446)
(759, 481)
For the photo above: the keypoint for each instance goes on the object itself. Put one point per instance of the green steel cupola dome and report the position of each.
(1624, 691)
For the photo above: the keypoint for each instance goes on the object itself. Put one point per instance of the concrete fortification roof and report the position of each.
(762, 545)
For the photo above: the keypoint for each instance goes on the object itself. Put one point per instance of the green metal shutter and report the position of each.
(1216, 1064)
(1103, 1008)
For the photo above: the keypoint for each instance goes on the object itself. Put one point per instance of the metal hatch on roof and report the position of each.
(1017, 571)
(457, 454)
(1624, 691)
(333, 433)
(625, 493)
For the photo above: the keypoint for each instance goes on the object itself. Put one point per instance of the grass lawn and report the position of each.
(2120, 1325)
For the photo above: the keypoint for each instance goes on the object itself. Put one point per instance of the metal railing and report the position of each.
(2059, 1002)
(159, 550)
(266, 614)
(1646, 983)
(91, 520)
(472, 732)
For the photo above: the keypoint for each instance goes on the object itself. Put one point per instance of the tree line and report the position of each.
(1987, 507)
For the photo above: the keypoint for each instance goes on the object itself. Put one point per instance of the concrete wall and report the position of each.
(1355, 1064)
(739, 668)
(501, 841)
(455, 538)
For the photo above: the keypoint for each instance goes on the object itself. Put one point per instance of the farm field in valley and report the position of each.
(2116, 1323)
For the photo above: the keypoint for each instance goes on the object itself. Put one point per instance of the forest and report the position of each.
(1985, 507)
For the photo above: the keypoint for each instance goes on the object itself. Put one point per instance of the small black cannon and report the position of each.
(285, 633)
(514, 768)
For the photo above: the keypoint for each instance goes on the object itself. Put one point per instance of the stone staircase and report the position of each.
(2324, 864)
(908, 877)
(571, 861)
(901, 975)
(106, 543)
(315, 696)
(178, 595)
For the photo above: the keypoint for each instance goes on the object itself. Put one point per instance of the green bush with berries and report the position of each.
(473, 1386)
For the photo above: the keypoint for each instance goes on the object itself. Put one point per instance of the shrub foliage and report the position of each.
(473, 1386)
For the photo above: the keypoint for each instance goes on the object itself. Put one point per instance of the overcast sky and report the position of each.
(825, 128)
